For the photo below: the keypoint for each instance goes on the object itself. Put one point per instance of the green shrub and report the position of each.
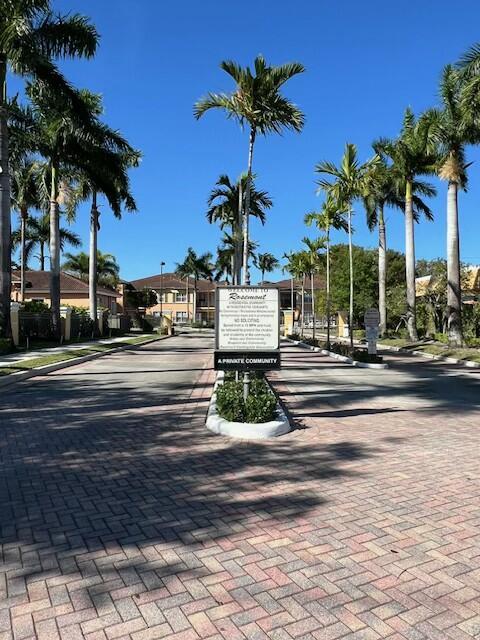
(473, 342)
(260, 405)
(6, 345)
(35, 306)
(441, 337)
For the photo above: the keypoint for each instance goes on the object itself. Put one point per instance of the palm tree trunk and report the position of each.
(263, 275)
(188, 299)
(328, 290)
(55, 255)
(92, 263)
(42, 256)
(454, 290)
(291, 303)
(5, 224)
(410, 264)
(303, 306)
(23, 253)
(237, 236)
(246, 214)
(195, 298)
(382, 271)
(350, 260)
(313, 304)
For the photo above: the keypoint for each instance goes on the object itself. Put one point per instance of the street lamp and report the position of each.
(162, 264)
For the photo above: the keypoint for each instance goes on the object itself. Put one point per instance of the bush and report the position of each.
(260, 405)
(473, 342)
(35, 306)
(6, 345)
(441, 337)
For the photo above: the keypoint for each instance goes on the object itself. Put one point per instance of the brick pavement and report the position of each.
(122, 517)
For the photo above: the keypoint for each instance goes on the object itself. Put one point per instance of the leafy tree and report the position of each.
(257, 102)
(108, 270)
(31, 37)
(410, 155)
(267, 263)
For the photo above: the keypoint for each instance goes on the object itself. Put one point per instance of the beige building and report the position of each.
(73, 291)
(172, 302)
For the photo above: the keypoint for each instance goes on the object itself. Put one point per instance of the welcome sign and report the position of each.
(247, 328)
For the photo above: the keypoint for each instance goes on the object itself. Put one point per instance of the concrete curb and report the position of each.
(244, 430)
(12, 378)
(466, 363)
(337, 356)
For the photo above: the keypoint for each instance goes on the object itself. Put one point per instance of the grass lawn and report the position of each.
(52, 358)
(434, 348)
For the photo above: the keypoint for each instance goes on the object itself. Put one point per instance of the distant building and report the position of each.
(171, 294)
(73, 291)
(470, 285)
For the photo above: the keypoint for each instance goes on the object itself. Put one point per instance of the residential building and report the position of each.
(172, 297)
(73, 291)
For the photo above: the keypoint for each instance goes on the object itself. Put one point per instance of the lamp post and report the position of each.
(162, 264)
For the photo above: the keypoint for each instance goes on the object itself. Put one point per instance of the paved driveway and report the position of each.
(122, 517)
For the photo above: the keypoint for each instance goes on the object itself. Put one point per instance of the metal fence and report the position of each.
(81, 326)
(35, 326)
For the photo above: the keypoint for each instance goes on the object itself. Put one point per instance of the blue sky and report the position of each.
(365, 61)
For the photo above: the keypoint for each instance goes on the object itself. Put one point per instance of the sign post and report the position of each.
(372, 322)
(247, 328)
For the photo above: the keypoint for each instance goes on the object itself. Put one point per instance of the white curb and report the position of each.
(466, 363)
(244, 430)
(12, 378)
(337, 356)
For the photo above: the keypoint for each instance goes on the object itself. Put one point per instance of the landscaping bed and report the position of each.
(359, 355)
(259, 416)
(434, 349)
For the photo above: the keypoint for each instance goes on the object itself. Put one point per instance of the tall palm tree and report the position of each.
(298, 266)
(226, 203)
(106, 174)
(453, 128)
(108, 270)
(331, 216)
(31, 37)
(73, 143)
(25, 196)
(384, 189)
(223, 265)
(267, 263)
(410, 155)
(347, 183)
(257, 102)
(314, 262)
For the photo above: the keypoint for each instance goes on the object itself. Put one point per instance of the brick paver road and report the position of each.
(122, 517)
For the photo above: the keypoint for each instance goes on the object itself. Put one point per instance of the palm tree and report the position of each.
(290, 267)
(31, 36)
(223, 265)
(25, 196)
(299, 266)
(384, 189)
(267, 262)
(73, 144)
(108, 270)
(453, 128)
(197, 266)
(105, 174)
(330, 217)
(257, 102)
(314, 261)
(37, 234)
(226, 203)
(348, 185)
(411, 155)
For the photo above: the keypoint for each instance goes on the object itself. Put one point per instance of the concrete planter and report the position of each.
(337, 356)
(244, 430)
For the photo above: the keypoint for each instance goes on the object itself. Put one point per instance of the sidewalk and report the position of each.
(11, 358)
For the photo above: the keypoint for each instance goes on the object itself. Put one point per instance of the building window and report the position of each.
(181, 317)
(180, 297)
